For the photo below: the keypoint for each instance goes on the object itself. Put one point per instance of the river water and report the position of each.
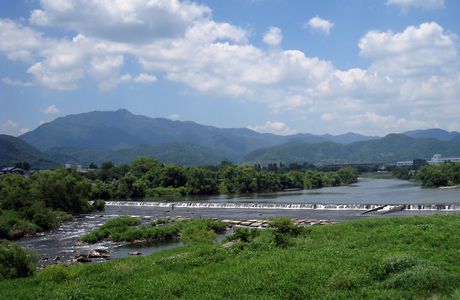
(333, 204)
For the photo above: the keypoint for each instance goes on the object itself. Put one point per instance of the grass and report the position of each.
(385, 258)
(128, 229)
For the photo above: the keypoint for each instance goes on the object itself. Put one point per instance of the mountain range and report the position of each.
(121, 136)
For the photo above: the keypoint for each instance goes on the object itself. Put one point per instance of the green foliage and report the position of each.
(439, 175)
(99, 204)
(283, 230)
(16, 261)
(417, 255)
(54, 273)
(245, 235)
(61, 189)
(193, 234)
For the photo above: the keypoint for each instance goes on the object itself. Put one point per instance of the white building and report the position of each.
(405, 163)
(438, 159)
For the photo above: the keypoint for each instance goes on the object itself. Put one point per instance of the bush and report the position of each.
(16, 261)
(197, 234)
(54, 273)
(245, 235)
(99, 204)
(283, 231)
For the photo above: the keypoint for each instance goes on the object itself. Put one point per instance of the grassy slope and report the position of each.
(332, 262)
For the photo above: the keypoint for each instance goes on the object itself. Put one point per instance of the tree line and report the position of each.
(40, 202)
(434, 175)
(147, 178)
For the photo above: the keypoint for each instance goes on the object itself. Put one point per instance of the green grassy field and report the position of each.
(385, 258)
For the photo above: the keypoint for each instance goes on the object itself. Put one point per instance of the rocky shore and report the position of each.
(100, 253)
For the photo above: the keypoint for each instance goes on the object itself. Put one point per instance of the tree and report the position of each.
(61, 189)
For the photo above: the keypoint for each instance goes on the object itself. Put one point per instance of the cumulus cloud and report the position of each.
(52, 109)
(121, 21)
(411, 72)
(320, 25)
(426, 4)
(273, 127)
(13, 82)
(273, 36)
(145, 78)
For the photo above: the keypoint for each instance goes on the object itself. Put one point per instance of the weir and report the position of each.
(294, 206)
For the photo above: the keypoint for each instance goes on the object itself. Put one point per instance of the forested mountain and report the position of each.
(174, 152)
(107, 130)
(14, 150)
(434, 133)
(121, 136)
(390, 148)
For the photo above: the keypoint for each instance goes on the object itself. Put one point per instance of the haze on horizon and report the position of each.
(370, 67)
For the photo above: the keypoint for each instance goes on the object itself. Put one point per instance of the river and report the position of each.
(332, 203)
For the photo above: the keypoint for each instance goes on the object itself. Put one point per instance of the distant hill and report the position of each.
(174, 152)
(390, 148)
(121, 136)
(434, 133)
(99, 131)
(13, 150)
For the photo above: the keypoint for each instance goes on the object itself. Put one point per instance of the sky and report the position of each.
(366, 66)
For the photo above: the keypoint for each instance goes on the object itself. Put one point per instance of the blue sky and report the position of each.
(369, 66)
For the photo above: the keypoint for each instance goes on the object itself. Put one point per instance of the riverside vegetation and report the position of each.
(41, 202)
(383, 258)
(435, 175)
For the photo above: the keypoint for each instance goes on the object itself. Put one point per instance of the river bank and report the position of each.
(347, 260)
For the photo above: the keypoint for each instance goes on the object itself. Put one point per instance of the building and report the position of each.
(405, 163)
(438, 159)
(10, 170)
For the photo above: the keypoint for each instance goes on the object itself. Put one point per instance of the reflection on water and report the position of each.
(366, 191)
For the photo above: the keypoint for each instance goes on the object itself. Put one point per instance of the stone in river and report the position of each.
(246, 223)
(134, 253)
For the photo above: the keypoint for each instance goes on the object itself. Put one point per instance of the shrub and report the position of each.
(245, 235)
(99, 204)
(54, 273)
(197, 234)
(283, 231)
(16, 261)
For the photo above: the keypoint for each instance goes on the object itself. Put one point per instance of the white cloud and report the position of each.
(273, 36)
(121, 21)
(13, 82)
(19, 42)
(52, 109)
(173, 117)
(320, 25)
(273, 127)
(145, 78)
(425, 4)
(409, 72)
(24, 130)
(10, 124)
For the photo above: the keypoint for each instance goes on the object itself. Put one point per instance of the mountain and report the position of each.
(13, 150)
(434, 133)
(121, 130)
(105, 131)
(120, 136)
(390, 148)
(174, 152)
